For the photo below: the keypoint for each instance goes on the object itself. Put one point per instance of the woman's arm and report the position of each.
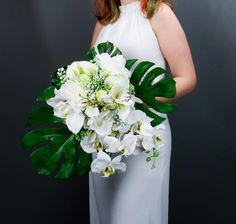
(97, 29)
(175, 48)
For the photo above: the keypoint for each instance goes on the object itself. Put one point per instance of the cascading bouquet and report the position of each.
(99, 103)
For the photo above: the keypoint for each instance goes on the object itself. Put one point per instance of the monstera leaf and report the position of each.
(142, 77)
(54, 146)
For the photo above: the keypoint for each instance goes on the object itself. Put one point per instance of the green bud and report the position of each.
(155, 153)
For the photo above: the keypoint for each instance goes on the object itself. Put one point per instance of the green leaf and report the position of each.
(70, 159)
(84, 163)
(157, 105)
(129, 63)
(46, 94)
(117, 51)
(91, 54)
(37, 136)
(142, 78)
(103, 47)
(150, 76)
(166, 87)
(139, 71)
(59, 143)
(42, 115)
(67, 148)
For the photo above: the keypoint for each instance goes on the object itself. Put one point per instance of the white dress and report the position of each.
(140, 195)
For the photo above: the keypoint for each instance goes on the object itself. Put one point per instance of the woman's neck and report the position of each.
(125, 2)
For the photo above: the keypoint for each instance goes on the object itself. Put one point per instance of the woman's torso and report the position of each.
(132, 33)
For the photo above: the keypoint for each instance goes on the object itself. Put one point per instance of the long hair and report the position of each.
(107, 11)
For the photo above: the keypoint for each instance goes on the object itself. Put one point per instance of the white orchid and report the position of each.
(137, 115)
(92, 143)
(80, 71)
(105, 165)
(126, 146)
(152, 137)
(112, 65)
(68, 103)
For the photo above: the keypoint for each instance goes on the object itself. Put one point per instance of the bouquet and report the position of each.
(97, 106)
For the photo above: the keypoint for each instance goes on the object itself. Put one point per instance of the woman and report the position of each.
(144, 30)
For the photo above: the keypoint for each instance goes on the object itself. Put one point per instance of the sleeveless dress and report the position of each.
(140, 195)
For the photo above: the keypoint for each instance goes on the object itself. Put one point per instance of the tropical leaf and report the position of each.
(46, 94)
(42, 115)
(104, 47)
(45, 159)
(130, 63)
(83, 165)
(142, 79)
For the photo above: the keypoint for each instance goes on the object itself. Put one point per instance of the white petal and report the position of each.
(120, 167)
(130, 142)
(124, 112)
(88, 67)
(148, 143)
(146, 129)
(75, 121)
(91, 111)
(98, 165)
(135, 115)
(116, 159)
(86, 144)
(103, 156)
(111, 143)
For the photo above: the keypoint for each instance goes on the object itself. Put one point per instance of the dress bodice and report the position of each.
(133, 34)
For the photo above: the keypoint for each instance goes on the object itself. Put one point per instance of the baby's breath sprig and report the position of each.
(96, 83)
(82, 134)
(61, 72)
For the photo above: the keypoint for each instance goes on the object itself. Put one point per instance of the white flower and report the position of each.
(126, 146)
(117, 81)
(81, 67)
(102, 123)
(68, 103)
(152, 138)
(137, 115)
(107, 166)
(112, 65)
(92, 143)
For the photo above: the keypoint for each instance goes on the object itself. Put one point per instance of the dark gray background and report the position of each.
(36, 37)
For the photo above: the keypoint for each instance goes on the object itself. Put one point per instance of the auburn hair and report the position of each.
(107, 11)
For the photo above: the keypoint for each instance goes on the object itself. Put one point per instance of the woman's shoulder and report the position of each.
(163, 12)
(164, 18)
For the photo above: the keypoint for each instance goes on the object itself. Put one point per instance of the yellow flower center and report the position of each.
(156, 140)
(109, 170)
(123, 149)
(98, 145)
(137, 127)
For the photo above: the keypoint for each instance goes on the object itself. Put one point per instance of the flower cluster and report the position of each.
(96, 101)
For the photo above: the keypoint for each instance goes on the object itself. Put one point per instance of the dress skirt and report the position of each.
(138, 196)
